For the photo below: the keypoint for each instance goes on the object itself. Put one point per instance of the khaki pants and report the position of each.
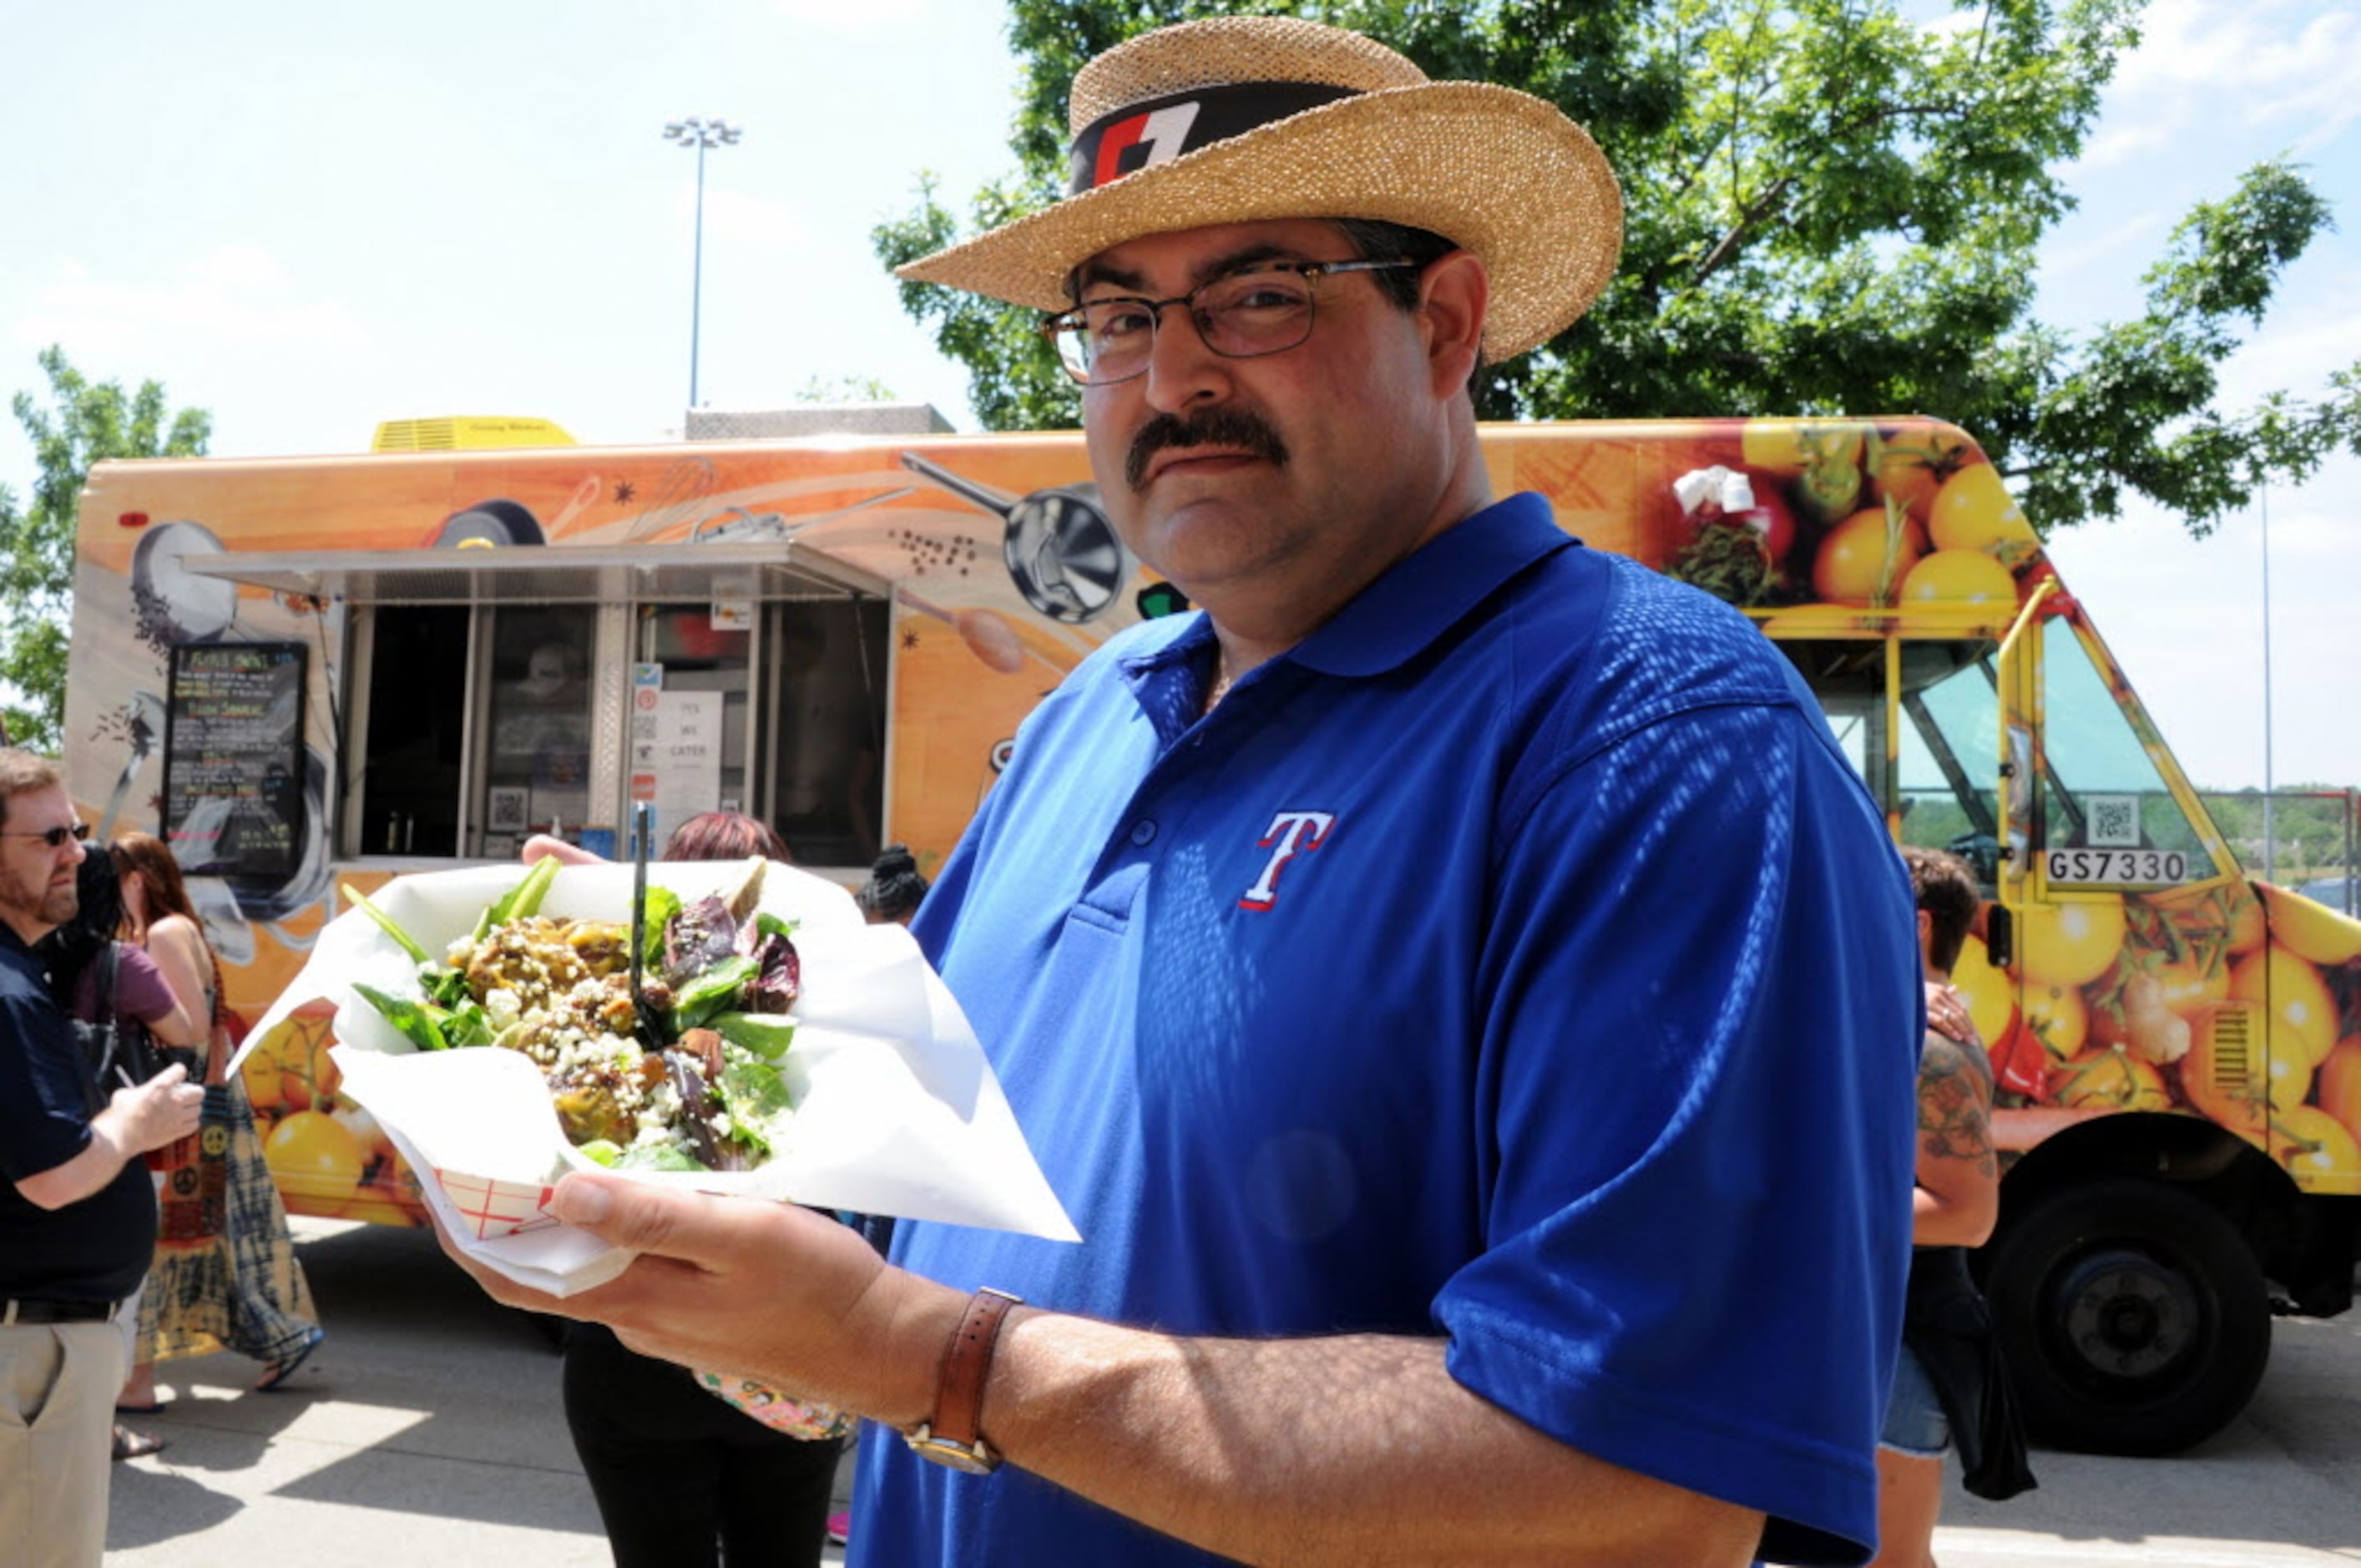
(58, 1384)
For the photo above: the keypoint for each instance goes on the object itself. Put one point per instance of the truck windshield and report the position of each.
(2107, 818)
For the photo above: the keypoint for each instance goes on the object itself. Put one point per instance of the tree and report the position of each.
(1830, 209)
(85, 425)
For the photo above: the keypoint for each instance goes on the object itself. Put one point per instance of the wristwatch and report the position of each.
(951, 1437)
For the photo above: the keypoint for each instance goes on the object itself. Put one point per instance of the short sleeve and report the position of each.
(141, 991)
(44, 1108)
(1703, 1007)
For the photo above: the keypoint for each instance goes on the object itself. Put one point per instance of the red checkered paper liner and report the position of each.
(497, 1208)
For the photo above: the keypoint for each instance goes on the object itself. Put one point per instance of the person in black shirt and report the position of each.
(77, 1211)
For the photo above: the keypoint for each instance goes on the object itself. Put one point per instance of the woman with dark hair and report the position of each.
(681, 1478)
(226, 1273)
(725, 836)
(132, 993)
(891, 894)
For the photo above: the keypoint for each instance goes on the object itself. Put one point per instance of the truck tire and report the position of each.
(2133, 1317)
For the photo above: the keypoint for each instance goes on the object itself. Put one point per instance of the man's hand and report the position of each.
(541, 846)
(151, 1114)
(756, 1288)
(136, 1119)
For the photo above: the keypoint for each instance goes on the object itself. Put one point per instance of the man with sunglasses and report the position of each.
(77, 1210)
(1455, 984)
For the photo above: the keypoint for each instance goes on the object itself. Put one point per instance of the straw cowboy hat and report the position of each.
(1246, 119)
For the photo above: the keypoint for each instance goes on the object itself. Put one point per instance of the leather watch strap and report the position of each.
(967, 1360)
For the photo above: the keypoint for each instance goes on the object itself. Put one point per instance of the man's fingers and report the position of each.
(541, 845)
(174, 1072)
(640, 1218)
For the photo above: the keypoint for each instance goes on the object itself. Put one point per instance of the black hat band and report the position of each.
(1161, 130)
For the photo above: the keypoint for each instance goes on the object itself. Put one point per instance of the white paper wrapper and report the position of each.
(898, 1112)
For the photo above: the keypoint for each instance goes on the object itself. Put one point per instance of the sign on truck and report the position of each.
(312, 671)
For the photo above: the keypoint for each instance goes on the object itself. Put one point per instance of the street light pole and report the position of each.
(700, 135)
(2270, 835)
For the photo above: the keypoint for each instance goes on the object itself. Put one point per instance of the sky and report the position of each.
(308, 219)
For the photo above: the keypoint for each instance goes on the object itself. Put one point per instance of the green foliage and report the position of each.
(84, 424)
(1830, 209)
(845, 389)
(2313, 824)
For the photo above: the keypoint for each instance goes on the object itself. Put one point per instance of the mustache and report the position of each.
(1230, 427)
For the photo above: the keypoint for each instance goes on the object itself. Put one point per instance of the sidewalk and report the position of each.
(428, 1429)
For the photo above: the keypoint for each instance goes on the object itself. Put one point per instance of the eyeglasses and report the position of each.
(1266, 308)
(55, 837)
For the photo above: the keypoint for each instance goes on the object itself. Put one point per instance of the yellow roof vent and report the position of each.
(467, 433)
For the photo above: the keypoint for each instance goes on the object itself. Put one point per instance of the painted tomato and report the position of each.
(2055, 1016)
(2340, 1083)
(1908, 464)
(1958, 577)
(2222, 1073)
(2301, 1012)
(2312, 1144)
(2186, 984)
(2071, 944)
(1865, 558)
(315, 1156)
(1974, 510)
(2103, 1077)
(1789, 447)
(2310, 931)
(1772, 520)
(259, 1073)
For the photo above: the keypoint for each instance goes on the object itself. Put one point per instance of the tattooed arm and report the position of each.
(1958, 1198)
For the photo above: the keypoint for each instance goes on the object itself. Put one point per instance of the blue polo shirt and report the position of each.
(1515, 960)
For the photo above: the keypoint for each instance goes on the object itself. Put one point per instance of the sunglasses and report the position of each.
(55, 837)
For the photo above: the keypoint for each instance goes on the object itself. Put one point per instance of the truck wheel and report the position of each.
(2133, 1317)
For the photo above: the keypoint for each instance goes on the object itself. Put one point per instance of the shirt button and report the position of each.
(1143, 833)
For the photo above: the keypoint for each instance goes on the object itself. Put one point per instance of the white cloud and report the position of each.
(2302, 344)
(2277, 68)
(233, 298)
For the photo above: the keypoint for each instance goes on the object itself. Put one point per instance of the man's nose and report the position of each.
(1182, 370)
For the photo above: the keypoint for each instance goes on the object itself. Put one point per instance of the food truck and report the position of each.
(314, 671)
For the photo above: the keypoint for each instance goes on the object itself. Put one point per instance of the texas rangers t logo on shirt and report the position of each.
(1291, 833)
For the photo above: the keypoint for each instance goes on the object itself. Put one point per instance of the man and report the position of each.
(1459, 991)
(77, 1213)
(1947, 1344)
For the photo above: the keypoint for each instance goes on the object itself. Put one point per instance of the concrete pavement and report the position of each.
(429, 1430)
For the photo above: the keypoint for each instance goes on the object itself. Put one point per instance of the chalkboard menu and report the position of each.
(234, 760)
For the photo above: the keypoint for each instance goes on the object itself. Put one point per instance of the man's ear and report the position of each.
(1453, 293)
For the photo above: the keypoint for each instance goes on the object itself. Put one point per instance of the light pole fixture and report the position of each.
(700, 135)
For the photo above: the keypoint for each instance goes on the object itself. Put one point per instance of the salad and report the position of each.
(662, 1048)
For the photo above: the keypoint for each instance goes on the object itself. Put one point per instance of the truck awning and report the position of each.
(544, 574)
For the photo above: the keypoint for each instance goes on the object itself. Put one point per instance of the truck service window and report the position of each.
(826, 685)
(409, 774)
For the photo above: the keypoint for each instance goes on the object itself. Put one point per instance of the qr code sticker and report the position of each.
(2115, 821)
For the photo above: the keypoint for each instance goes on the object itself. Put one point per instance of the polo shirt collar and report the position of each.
(1390, 623)
(1429, 591)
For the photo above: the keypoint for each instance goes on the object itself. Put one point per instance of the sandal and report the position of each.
(130, 1445)
(275, 1376)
